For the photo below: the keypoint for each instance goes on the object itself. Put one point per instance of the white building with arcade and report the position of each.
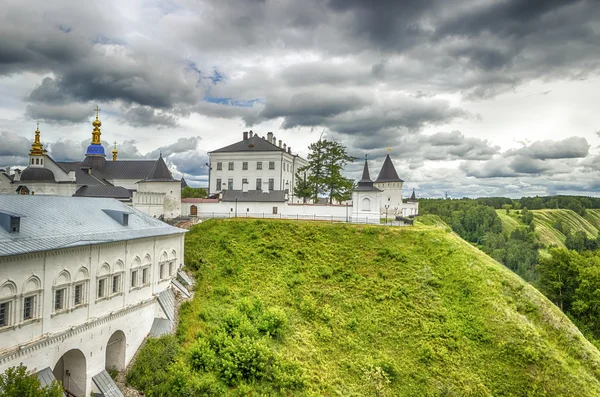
(82, 283)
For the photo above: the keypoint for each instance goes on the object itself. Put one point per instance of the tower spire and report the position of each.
(96, 132)
(115, 152)
(37, 149)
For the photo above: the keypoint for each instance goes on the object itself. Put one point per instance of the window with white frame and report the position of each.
(146, 276)
(244, 165)
(31, 299)
(162, 271)
(80, 287)
(116, 284)
(230, 166)
(101, 289)
(259, 165)
(5, 314)
(60, 291)
(271, 165)
(135, 278)
(219, 166)
(171, 265)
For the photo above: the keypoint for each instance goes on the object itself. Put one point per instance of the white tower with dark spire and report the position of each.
(366, 199)
(391, 186)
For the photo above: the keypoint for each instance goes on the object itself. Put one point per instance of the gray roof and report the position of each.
(108, 191)
(33, 174)
(46, 377)
(254, 144)
(159, 172)
(253, 196)
(82, 176)
(120, 169)
(106, 384)
(365, 184)
(54, 222)
(388, 172)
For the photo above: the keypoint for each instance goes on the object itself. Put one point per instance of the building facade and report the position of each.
(144, 184)
(81, 282)
(263, 163)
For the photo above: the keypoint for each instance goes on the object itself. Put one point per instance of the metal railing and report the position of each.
(298, 217)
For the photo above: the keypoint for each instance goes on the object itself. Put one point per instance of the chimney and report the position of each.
(284, 147)
(270, 137)
(245, 187)
(17, 176)
(265, 187)
(245, 135)
(280, 143)
(8, 170)
(274, 141)
(250, 134)
(289, 149)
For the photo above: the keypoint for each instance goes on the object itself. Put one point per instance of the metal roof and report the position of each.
(37, 174)
(106, 384)
(254, 144)
(54, 222)
(365, 184)
(109, 191)
(253, 196)
(388, 172)
(159, 172)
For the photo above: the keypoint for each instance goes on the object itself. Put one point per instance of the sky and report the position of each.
(469, 98)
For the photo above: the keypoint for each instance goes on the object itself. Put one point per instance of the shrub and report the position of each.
(150, 368)
(201, 356)
(244, 358)
(17, 381)
(273, 323)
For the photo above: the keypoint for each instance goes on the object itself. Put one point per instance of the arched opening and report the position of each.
(366, 204)
(71, 371)
(193, 210)
(115, 351)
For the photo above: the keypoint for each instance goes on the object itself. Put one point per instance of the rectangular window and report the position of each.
(271, 184)
(162, 271)
(245, 165)
(116, 284)
(244, 180)
(258, 184)
(78, 295)
(101, 288)
(134, 278)
(59, 299)
(28, 306)
(274, 210)
(4, 314)
(230, 166)
(230, 184)
(271, 165)
(171, 268)
(219, 166)
(219, 187)
(145, 279)
(259, 165)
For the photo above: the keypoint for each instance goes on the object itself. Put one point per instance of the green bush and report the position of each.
(149, 371)
(18, 382)
(273, 322)
(202, 357)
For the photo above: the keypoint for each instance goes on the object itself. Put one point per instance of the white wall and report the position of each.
(286, 166)
(159, 198)
(392, 196)
(46, 337)
(5, 185)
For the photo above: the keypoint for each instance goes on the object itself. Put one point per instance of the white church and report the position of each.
(83, 281)
(145, 184)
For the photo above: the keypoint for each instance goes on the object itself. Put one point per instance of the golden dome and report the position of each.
(96, 123)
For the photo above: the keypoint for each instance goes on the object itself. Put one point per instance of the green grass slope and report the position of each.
(368, 310)
(546, 219)
(509, 221)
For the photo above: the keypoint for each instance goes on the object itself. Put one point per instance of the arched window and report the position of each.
(162, 266)
(37, 161)
(366, 204)
(8, 296)
(32, 291)
(146, 270)
(117, 278)
(193, 210)
(172, 262)
(102, 281)
(136, 273)
(80, 287)
(60, 292)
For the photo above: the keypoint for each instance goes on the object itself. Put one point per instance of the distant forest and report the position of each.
(569, 277)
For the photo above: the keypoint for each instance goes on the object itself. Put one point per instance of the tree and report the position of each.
(17, 381)
(303, 188)
(193, 192)
(326, 162)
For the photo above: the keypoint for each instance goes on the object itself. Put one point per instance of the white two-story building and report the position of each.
(263, 163)
(82, 282)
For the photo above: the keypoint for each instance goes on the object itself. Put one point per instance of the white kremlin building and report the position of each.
(83, 281)
(145, 184)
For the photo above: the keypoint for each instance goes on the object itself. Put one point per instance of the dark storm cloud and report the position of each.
(13, 144)
(147, 117)
(572, 147)
(59, 114)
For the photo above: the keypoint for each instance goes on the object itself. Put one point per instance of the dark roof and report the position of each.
(253, 196)
(365, 184)
(81, 175)
(388, 172)
(412, 197)
(10, 177)
(108, 191)
(159, 172)
(254, 144)
(96, 162)
(183, 183)
(37, 174)
(120, 169)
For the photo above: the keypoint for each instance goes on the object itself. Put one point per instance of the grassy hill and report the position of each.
(293, 308)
